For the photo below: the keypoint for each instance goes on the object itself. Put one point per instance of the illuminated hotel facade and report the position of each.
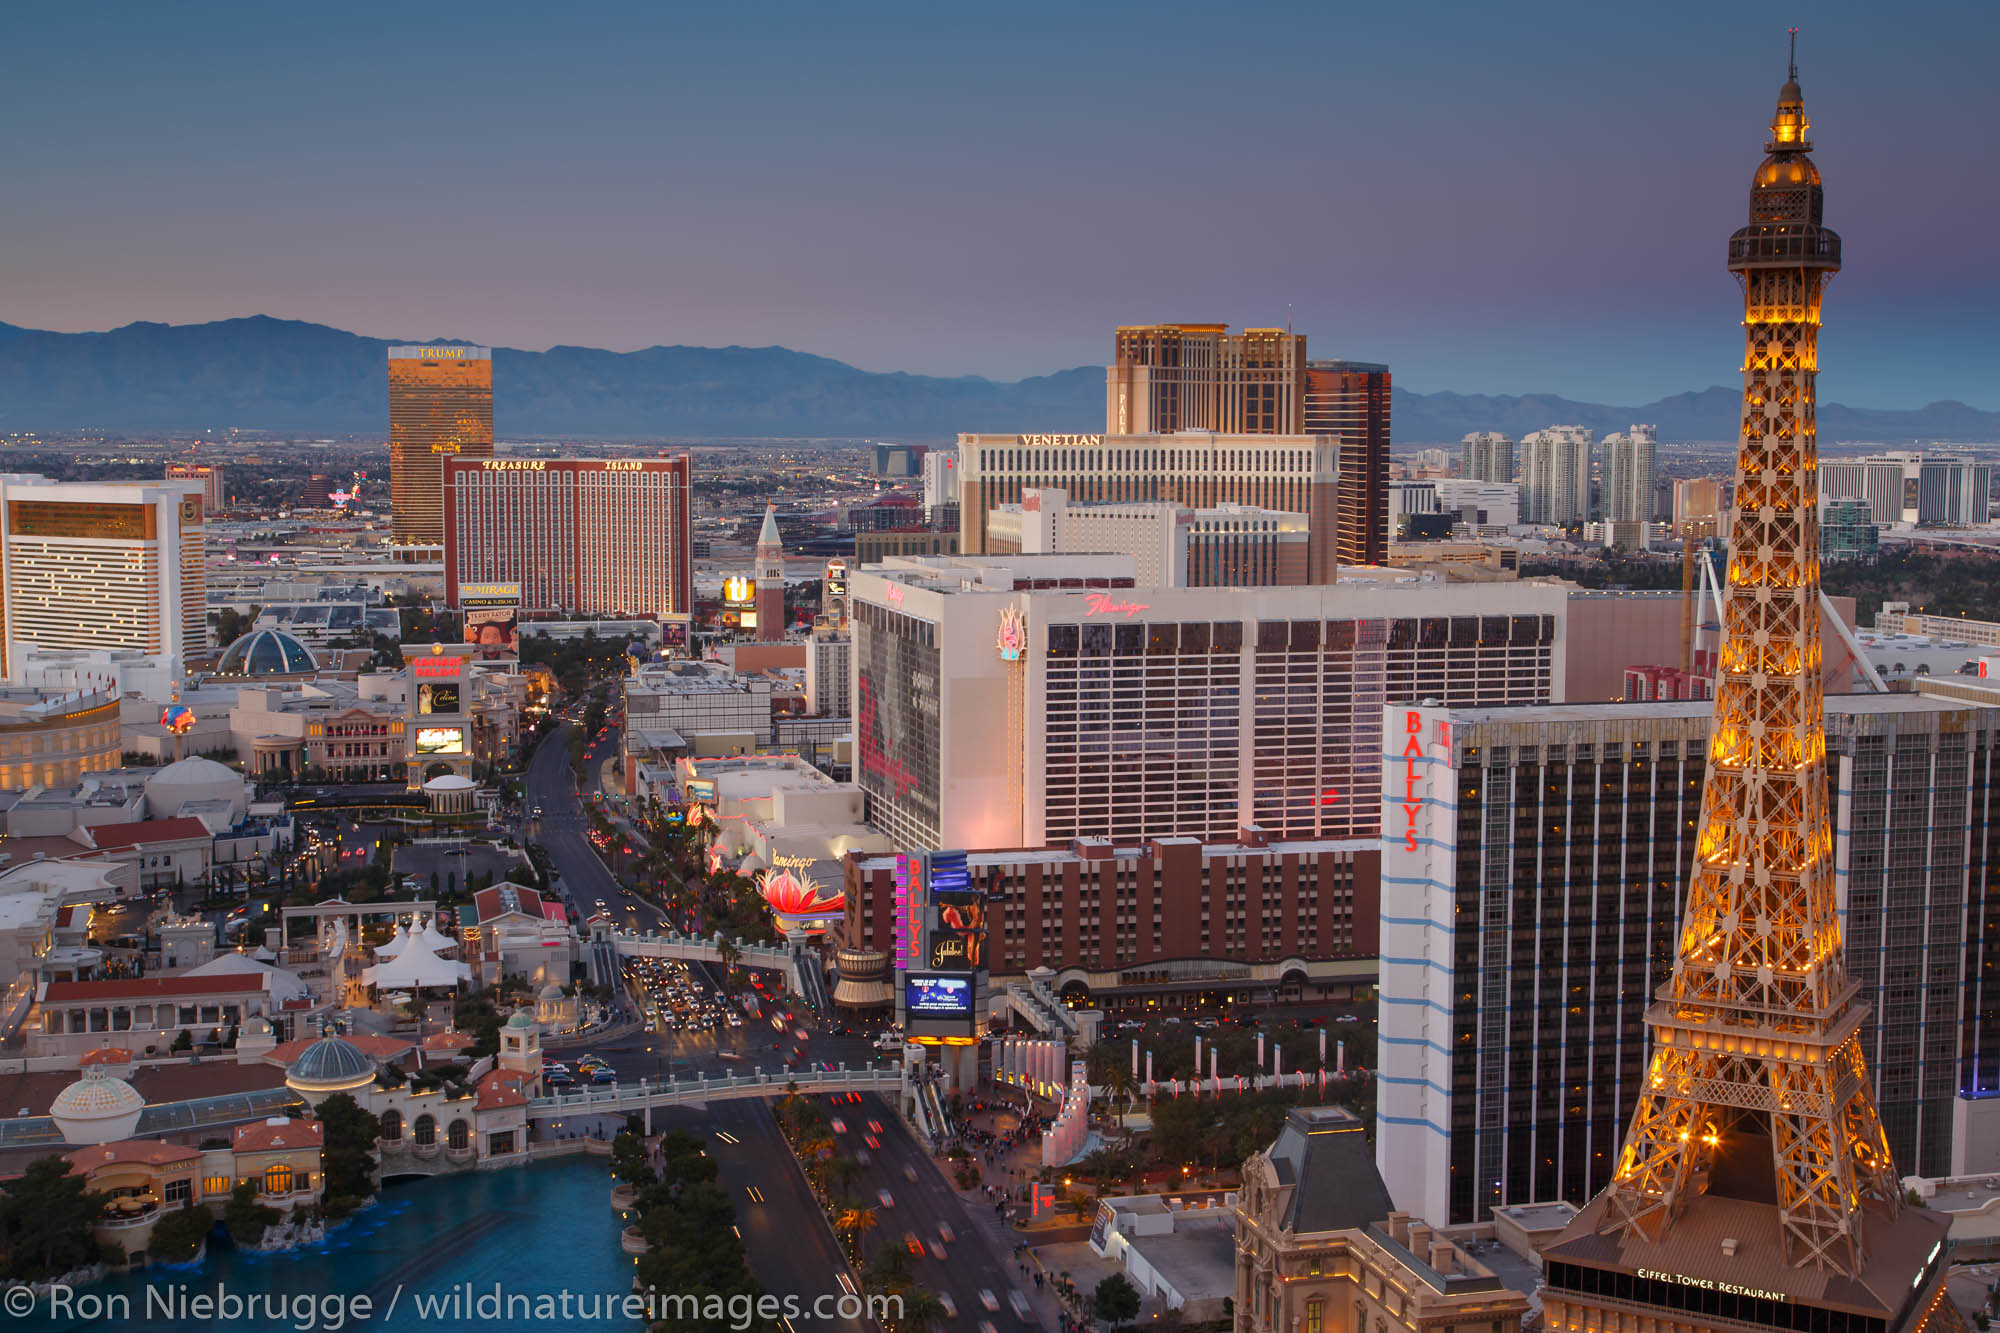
(582, 536)
(1292, 473)
(1169, 378)
(101, 566)
(440, 407)
(1024, 701)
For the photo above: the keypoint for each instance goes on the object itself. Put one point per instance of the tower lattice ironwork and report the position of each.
(1755, 1033)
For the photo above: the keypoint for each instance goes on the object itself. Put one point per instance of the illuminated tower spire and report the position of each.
(1754, 1037)
(770, 569)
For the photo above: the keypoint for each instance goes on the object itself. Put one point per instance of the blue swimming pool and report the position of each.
(524, 1235)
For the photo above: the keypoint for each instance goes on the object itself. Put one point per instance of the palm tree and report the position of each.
(889, 1270)
(1119, 1079)
(853, 1224)
(840, 1173)
(730, 954)
(922, 1311)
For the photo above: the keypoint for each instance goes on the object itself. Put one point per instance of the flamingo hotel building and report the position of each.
(585, 536)
(1030, 700)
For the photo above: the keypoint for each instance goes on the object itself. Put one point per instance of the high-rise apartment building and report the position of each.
(101, 566)
(1540, 908)
(1913, 490)
(210, 476)
(1555, 476)
(440, 407)
(1350, 399)
(1169, 378)
(1629, 474)
(582, 536)
(1016, 701)
(1292, 473)
(1486, 455)
(1701, 506)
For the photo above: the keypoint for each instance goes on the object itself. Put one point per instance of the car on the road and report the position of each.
(1019, 1301)
(1347, 1018)
(863, 1156)
(944, 1230)
(872, 1142)
(604, 1074)
(937, 1250)
(874, 1126)
(986, 1326)
(950, 1306)
(989, 1300)
(912, 1244)
(909, 1173)
(560, 1078)
(886, 1199)
(839, 1125)
(801, 1034)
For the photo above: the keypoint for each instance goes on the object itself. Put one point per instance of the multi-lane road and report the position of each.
(791, 1249)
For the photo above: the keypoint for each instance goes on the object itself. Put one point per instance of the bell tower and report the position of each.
(770, 580)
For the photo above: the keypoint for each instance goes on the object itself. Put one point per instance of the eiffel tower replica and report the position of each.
(1755, 1187)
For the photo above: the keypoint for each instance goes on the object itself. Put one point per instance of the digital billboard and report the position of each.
(739, 590)
(674, 633)
(492, 618)
(836, 578)
(437, 697)
(699, 789)
(440, 740)
(959, 938)
(938, 994)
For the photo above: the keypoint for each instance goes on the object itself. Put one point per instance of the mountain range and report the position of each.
(290, 377)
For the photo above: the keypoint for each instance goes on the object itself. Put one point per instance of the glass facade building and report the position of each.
(440, 406)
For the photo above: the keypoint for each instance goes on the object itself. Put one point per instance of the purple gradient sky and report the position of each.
(1499, 199)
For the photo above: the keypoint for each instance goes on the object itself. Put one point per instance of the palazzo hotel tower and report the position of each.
(1755, 1186)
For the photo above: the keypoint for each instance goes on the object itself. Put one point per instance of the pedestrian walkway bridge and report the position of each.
(694, 949)
(621, 1098)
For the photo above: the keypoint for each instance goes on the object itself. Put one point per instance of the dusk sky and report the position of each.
(1492, 198)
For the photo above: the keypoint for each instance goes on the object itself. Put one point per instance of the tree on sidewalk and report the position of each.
(1116, 1300)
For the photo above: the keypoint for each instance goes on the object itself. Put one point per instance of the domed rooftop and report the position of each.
(196, 770)
(521, 1020)
(266, 652)
(331, 1064)
(551, 992)
(97, 1108)
(194, 779)
(450, 782)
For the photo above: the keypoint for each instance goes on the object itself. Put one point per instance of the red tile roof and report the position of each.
(501, 1089)
(112, 836)
(269, 1137)
(448, 1040)
(150, 988)
(375, 1048)
(104, 1055)
(152, 1152)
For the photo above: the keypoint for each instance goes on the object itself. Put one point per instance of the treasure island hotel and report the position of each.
(582, 536)
(440, 407)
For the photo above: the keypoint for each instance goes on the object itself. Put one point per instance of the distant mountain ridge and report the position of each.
(289, 376)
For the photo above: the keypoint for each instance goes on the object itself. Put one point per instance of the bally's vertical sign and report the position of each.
(1407, 769)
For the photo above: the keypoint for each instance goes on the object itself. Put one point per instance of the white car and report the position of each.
(950, 1305)
(988, 1299)
(886, 1199)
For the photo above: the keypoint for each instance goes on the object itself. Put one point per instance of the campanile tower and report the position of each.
(1754, 1185)
(770, 570)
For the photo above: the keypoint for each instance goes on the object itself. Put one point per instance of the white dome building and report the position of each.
(450, 794)
(99, 1107)
(194, 781)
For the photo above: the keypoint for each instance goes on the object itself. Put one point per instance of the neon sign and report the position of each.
(1413, 750)
(1060, 441)
(1013, 635)
(894, 592)
(875, 753)
(1102, 604)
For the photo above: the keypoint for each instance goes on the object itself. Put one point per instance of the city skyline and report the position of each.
(865, 193)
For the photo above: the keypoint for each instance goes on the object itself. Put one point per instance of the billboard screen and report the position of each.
(440, 740)
(739, 591)
(437, 697)
(959, 939)
(674, 633)
(494, 629)
(699, 789)
(949, 996)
